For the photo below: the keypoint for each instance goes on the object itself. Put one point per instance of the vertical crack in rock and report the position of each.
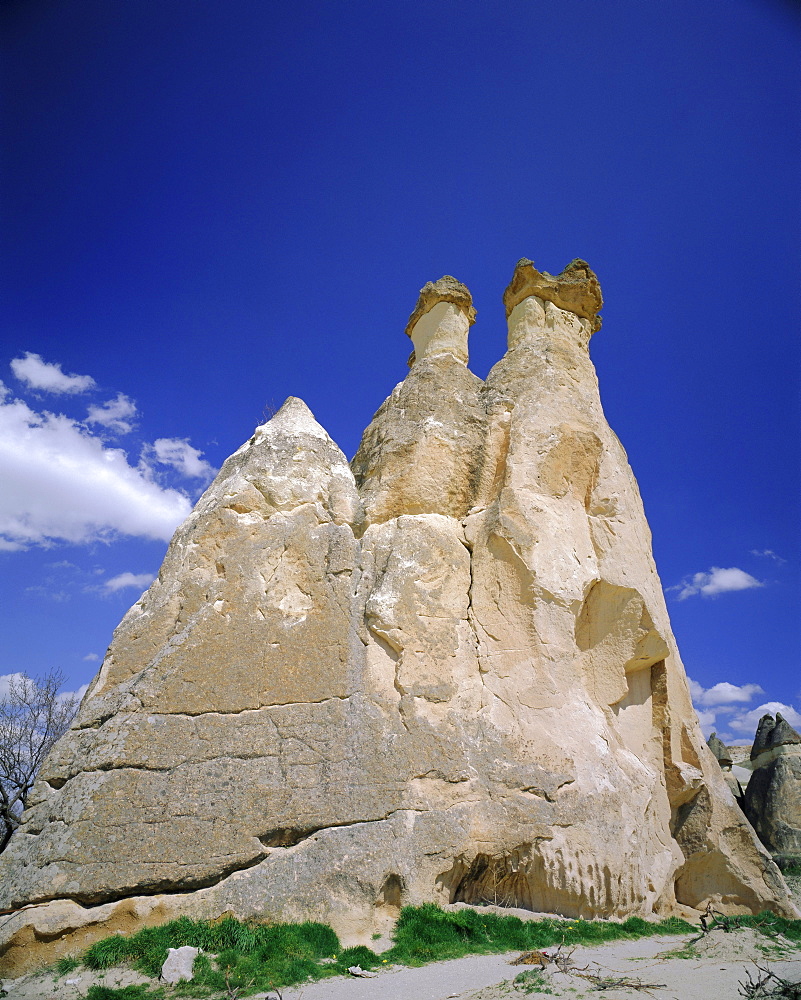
(462, 633)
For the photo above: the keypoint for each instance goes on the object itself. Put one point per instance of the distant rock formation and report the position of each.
(772, 800)
(725, 759)
(444, 674)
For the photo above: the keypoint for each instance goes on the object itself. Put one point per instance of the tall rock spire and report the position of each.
(446, 675)
(440, 321)
(424, 446)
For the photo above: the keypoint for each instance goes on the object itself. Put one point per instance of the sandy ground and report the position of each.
(708, 969)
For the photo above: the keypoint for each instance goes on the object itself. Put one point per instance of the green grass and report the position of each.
(259, 957)
(533, 981)
(124, 993)
(428, 934)
(66, 965)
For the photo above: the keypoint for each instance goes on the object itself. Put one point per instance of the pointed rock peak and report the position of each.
(783, 733)
(576, 289)
(764, 730)
(719, 749)
(292, 419)
(447, 289)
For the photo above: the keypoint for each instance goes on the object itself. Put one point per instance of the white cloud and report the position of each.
(745, 723)
(726, 694)
(116, 414)
(138, 580)
(768, 554)
(48, 376)
(91, 657)
(716, 581)
(707, 721)
(179, 453)
(77, 695)
(695, 689)
(61, 483)
(6, 680)
(725, 699)
(718, 700)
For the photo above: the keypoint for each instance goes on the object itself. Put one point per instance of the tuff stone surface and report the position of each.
(441, 321)
(772, 799)
(575, 290)
(725, 759)
(446, 674)
(445, 289)
(719, 749)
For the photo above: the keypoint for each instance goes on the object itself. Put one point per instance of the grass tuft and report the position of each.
(358, 955)
(66, 965)
(133, 992)
(533, 981)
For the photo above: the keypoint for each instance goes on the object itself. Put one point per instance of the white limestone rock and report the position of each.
(447, 675)
(179, 964)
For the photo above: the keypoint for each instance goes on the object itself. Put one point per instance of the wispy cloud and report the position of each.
(115, 414)
(62, 483)
(123, 581)
(768, 554)
(716, 581)
(48, 376)
(181, 456)
(91, 658)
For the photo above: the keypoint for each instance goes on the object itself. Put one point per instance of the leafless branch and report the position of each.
(766, 985)
(33, 715)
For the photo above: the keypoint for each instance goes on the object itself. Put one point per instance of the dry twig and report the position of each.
(599, 982)
(768, 986)
(235, 992)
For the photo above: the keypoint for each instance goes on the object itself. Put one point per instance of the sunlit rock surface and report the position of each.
(447, 674)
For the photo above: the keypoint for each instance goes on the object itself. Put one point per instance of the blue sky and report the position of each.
(208, 207)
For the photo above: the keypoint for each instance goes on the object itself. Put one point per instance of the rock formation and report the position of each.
(725, 759)
(772, 800)
(446, 673)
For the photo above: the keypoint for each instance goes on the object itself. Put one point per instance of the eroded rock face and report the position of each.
(772, 800)
(725, 759)
(445, 675)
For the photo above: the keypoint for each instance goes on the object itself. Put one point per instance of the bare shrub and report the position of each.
(33, 715)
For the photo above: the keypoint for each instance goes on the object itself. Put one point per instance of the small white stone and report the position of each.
(179, 964)
(357, 970)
